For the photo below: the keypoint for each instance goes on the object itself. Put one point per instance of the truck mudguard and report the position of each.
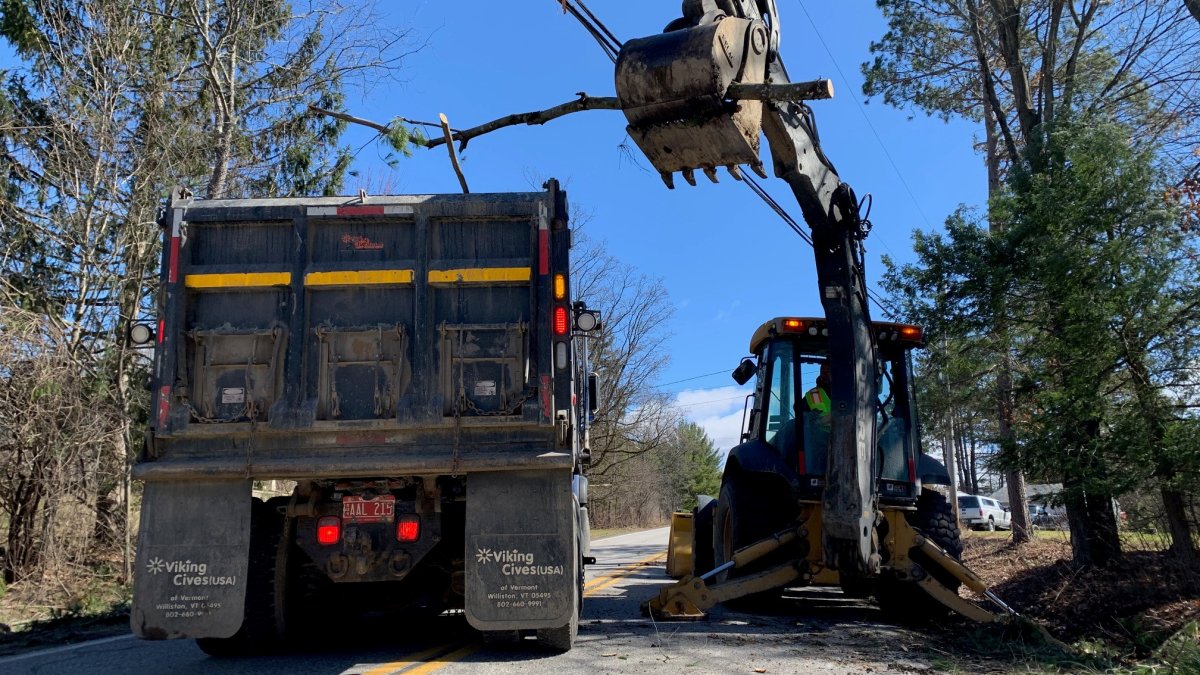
(522, 557)
(192, 559)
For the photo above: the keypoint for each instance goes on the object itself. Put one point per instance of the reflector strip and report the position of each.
(480, 275)
(362, 210)
(543, 252)
(238, 280)
(358, 277)
(173, 261)
(164, 406)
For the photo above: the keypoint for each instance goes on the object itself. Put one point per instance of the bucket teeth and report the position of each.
(711, 173)
(689, 176)
(668, 179)
(734, 171)
(757, 168)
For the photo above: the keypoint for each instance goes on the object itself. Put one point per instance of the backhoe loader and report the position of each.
(806, 510)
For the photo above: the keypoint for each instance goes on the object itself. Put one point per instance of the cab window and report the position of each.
(781, 401)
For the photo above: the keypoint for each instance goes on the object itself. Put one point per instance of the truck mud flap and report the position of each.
(522, 558)
(192, 557)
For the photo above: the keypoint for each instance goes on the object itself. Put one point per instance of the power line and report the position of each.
(874, 132)
(697, 377)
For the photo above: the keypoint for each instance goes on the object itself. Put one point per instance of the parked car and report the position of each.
(983, 513)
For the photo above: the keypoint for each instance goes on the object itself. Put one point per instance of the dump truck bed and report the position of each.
(360, 337)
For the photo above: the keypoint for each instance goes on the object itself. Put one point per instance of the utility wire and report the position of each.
(878, 138)
(697, 377)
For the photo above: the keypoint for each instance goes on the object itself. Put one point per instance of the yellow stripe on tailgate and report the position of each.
(238, 280)
(358, 277)
(480, 275)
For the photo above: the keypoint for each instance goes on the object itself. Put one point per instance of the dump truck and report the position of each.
(408, 363)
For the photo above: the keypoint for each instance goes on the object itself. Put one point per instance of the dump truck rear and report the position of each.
(408, 362)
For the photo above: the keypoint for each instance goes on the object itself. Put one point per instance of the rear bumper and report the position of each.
(342, 452)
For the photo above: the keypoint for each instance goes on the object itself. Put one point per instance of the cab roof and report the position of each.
(813, 329)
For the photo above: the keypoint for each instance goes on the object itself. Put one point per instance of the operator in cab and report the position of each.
(817, 398)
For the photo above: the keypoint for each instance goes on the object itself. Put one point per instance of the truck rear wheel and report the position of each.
(561, 639)
(260, 629)
(903, 599)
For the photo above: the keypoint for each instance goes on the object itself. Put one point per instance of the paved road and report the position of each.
(812, 632)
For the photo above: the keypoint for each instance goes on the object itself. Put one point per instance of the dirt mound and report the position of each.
(1137, 601)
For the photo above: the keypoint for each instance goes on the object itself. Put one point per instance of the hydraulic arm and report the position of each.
(673, 88)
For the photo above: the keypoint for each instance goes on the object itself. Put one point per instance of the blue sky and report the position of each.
(728, 262)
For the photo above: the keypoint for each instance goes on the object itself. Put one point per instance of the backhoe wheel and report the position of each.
(260, 629)
(744, 515)
(702, 537)
(904, 599)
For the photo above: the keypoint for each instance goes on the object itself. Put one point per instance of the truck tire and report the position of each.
(744, 514)
(562, 638)
(903, 599)
(260, 630)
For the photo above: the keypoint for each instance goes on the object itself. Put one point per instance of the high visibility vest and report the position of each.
(818, 400)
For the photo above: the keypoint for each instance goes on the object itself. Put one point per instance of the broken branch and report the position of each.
(792, 91)
(584, 102)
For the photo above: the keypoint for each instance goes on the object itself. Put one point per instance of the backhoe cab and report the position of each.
(763, 533)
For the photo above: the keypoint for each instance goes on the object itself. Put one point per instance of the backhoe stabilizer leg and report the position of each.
(691, 597)
(964, 607)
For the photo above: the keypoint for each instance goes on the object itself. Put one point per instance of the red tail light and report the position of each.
(329, 530)
(560, 321)
(408, 527)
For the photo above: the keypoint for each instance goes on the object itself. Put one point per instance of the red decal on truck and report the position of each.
(360, 211)
(543, 252)
(360, 243)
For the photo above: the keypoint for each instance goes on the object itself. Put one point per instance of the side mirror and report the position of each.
(593, 385)
(744, 371)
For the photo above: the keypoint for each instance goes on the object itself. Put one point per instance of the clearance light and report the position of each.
(560, 321)
(793, 325)
(911, 332)
(329, 530)
(408, 527)
(560, 286)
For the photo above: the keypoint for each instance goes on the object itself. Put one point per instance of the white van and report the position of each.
(983, 513)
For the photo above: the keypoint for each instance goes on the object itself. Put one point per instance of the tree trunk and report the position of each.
(1181, 532)
(1193, 7)
(1095, 540)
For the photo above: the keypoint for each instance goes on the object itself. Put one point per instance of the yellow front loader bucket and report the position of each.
(679, 548)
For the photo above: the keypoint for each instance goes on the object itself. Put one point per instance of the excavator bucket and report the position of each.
(672, 88)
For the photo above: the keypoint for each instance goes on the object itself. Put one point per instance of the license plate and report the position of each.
(381, 509)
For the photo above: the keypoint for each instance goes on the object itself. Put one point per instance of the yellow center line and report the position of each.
(433, 662)
(410, 660)
(443, 661)
(611, 578)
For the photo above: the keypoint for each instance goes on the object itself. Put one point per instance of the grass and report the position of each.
(1130, 540)
(606, 532)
